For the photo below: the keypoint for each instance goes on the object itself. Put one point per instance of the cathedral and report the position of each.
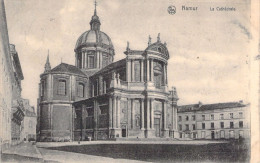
(101, 99)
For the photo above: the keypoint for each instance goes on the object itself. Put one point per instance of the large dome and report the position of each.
(94, 37)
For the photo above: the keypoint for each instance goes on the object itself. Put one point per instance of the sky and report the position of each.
(209, 55)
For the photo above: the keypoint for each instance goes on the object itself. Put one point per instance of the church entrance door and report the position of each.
(157, 126)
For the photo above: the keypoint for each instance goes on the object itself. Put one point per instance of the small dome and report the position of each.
(94, 37)
(159, 47)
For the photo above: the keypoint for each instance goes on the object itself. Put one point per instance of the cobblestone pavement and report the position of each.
(24, 152)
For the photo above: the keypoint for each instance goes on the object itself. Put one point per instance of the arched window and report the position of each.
(81, 90)
(62, 87)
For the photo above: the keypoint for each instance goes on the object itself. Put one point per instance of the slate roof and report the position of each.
(197, 107)
(112, 66)
(66, 68)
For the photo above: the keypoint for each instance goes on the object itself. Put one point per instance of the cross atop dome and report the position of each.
(95, 11)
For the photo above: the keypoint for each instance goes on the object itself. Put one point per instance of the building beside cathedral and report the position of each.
(103, 99)
(230, 120)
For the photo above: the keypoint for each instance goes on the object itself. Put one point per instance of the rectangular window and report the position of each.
(187, 127)
(187, 117)
(80, 90)
(231, 124)
(203, 134)
(193, 127)
(42, 88)
(203, 125)
(222, 134)
(241, 134)
(203, 117)
(212, 117)
(193, 117)
(231, 115)
(62, 87)
(212, 125)
(231, 134)
(221, 116)
(240, 114)
(180, 127)
(91, 61)
(241, 125)
(222, 124)
(180, 118)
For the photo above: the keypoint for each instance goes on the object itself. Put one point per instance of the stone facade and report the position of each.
(103, 99)
(5, 85)
(28, 131)
(11, 113)
(214, 121)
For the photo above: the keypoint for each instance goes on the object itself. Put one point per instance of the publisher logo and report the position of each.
(172, 10)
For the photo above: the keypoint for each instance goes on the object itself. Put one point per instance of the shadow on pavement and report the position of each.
(227, 152)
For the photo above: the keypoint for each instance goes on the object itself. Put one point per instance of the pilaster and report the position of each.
(114, 112)
(133, 70)
(142, 113)
(151, 70)
(118, 112)
(132, 113)
(110, 112)
(152, 113)
(142, 70)
(82, 59)
(147, 70)
(128, 70)
(165, 129)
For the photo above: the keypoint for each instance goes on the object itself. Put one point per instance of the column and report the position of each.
(83, 123)
(152, 70)
(104, 87)
(142, 113)
(132, 113)
(128, 70)
(175, 118)
(164, 115)
(96, 113)
(133, 70)
(148, 113)
(147, 70)
(97, 87)
(114, 112)
(142, 70)
(100, 60)
(97, 54)
(85, 60)
(110, 112)
(118, 112)
(93, 90)
(164, 74)
(82, 59)
(76, 59)
(100, 85)
(152, 114)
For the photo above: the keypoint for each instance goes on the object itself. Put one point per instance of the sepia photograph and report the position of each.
(129, 81)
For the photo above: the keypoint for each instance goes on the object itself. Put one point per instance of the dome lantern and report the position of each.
(95, 23)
